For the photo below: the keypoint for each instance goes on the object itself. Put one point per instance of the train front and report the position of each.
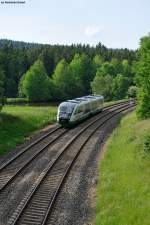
(64, 113)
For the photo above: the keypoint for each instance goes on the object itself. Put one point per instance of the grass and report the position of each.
(124, 181)
(18, 122)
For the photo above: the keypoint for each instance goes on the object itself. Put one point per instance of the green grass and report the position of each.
(18, 122)
(123, 196)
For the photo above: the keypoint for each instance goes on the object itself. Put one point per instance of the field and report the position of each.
(18, 122)
(124, 180)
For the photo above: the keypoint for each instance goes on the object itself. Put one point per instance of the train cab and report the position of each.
(65, 111)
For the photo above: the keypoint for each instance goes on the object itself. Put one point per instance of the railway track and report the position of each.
(11, 168)
(38, 202)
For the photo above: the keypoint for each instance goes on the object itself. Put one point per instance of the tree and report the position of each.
(66, 85)
(47, 57)
(2, 78)
(102, 85)
(35, 84)
(81, 69)
(97, 62)
(107, 68)
(142, 69)
(11, 88)
(20, 87)
(116, 66)
(120, 86)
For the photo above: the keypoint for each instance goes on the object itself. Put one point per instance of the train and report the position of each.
(72, 112)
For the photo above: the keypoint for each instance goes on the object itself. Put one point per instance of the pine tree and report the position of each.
(2, 79)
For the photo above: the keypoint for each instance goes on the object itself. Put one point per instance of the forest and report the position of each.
(83, 62)
(43, 73)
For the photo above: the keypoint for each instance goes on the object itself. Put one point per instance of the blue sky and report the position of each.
(115, 23)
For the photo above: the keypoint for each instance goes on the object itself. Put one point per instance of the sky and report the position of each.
(114, 23)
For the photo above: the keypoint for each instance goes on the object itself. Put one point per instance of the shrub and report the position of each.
(132, 91)
(17, 101)
(147, 144)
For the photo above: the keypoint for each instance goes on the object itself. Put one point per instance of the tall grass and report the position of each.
(123, 190)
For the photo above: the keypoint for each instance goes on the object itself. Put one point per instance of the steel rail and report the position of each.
(49, 209)
(28, 147)
(46, 170)
(5, 182)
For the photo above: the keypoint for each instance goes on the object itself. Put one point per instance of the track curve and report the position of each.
(37, 204)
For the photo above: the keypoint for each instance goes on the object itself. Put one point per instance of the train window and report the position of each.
(79, 110)
(71, 108)
(63, 108)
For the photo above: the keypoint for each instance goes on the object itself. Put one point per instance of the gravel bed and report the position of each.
(14, 193)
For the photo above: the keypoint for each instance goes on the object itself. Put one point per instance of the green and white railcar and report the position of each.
(73, 111)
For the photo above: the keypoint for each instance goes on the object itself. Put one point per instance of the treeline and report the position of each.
(82, 76)
(16, 58)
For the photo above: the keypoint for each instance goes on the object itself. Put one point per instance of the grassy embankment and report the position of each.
(123, 190)
(17, 122)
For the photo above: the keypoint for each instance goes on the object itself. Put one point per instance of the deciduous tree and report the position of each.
(120, 86)
(65, 83)
(102, 84)
(142, 69)
(35, 84)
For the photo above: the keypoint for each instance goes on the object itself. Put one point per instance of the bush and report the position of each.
(2, 102)
(143, 107)
(132, 91)
(16, 101)
(147, 144)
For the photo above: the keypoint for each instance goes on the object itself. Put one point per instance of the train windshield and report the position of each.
(66, 108)
(63, 108)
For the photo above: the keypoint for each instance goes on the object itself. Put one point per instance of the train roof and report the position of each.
(85, 99)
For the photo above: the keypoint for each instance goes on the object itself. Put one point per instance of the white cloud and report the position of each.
(92, 31)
